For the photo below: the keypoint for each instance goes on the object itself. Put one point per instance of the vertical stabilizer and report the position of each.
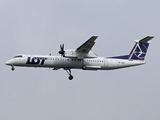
(140, 49)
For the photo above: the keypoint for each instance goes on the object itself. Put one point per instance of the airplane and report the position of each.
(84, 58)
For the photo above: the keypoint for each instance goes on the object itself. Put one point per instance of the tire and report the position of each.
(70, 77)
(83, 67)
(12, 68)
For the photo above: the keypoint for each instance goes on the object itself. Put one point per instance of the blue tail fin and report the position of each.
(140, 49)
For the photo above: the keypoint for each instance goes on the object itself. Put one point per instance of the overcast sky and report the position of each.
(40, 26)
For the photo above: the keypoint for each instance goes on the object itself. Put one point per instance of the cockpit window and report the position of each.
(18, 56)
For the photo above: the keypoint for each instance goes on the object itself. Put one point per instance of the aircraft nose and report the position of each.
(9, 62)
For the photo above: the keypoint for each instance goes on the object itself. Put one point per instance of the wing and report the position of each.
(87, 46)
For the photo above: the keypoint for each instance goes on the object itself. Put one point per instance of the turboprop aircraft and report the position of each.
(83, 58)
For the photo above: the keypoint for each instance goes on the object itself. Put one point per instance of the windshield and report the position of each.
(18, 56)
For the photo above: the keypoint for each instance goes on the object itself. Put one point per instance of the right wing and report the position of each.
(87, 46)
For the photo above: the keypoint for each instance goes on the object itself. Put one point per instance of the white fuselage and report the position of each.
(84, 58)
(57, 62)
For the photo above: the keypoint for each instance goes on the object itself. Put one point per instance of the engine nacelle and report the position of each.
(79, 55)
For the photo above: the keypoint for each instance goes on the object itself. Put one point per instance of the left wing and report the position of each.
(87, 46)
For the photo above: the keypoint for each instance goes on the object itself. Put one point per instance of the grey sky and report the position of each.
(38, 27)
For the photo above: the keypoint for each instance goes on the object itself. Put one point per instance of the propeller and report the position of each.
(62, 50)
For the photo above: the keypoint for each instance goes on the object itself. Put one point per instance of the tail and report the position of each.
(140, 49)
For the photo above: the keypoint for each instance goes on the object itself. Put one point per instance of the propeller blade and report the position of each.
(61, 49)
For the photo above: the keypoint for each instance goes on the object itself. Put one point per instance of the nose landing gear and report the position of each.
(69, 73)
(12, 68)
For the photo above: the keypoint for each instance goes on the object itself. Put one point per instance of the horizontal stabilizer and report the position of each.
(146, 39)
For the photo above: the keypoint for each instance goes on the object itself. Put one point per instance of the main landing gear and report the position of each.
(84, 67)
(69, 73)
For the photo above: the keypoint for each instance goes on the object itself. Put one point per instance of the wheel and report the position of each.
(83, 67)
(12, 68)
(70, 77)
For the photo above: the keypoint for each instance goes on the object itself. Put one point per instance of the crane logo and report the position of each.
(140, 51)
